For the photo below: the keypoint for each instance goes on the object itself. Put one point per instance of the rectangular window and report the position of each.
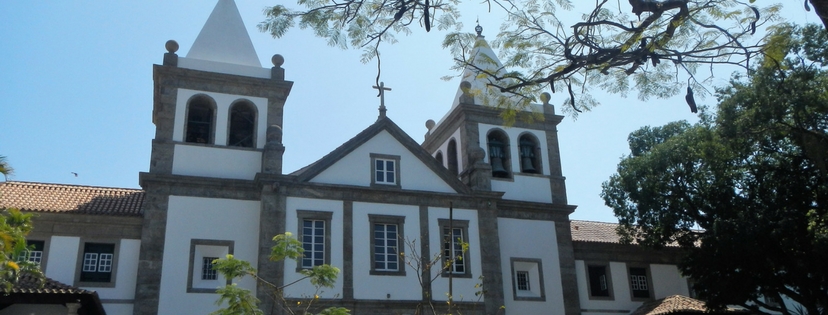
(454, 235)
(599, 285)
(639, 283)
(385, 170)
(34, 253)
(97, 262)
(386, 244)
(314, 232)
(313, 242)
(202, 277)
(385, 247)
(522, 278)
(207, 270)
(527, 279)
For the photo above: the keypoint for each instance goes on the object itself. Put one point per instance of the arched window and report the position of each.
(529, 154)
(498, 144)
(242, 126)
(200, 120)
(452, 156)
(439, 158)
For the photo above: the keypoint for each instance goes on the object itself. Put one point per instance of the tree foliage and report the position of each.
(240, 301)
(658, 48)
(744, 191)
(14, 226)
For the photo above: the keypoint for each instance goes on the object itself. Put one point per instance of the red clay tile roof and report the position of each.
(71, 198)
(589, 231)
(27, 283)
(677, 304)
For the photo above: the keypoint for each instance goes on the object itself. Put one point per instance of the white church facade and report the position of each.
(215, 186)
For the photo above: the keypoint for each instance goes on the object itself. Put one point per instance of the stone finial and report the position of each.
(277, 72)
(544, 97)
(274, 134)
(170, 58)
(277, 60)
(430, 124)
(478, 29)
(476, 154)
(466, 97)
(172, 46)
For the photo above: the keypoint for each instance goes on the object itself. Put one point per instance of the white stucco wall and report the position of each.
(211, 219)
(463, 287)
(531, 239)
(355, 168)
(667, 281)
(461, 162)
(63, 258)
(380, 287)
(216, 162)
(223, 102)
(118, 308)
(525, 187)
(222, 67)
(304, 288)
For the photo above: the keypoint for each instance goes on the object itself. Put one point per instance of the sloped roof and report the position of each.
(383, 123)
(28, 290)
(678, 304)
(43, 197)
(590, 231)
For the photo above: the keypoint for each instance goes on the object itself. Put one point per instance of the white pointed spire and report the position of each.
(224, 38)
(482, 57)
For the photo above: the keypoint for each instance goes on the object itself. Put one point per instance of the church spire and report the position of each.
(224, 38)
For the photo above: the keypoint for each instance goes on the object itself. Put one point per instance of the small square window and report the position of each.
(386, 244)
(207, 270)
(201, 276)
(527, 279)
(385, 170)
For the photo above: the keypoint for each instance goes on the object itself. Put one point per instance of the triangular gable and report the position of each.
(394, 141)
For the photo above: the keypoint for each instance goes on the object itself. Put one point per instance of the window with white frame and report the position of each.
(314, 234)
(33, 253)
(639, 283)
(527, 279)
(387, 239)
(202, 276)
(98, 260)
(313, 242)
(385, 170)
(454, 236)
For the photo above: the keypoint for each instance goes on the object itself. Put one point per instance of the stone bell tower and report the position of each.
(218, 115)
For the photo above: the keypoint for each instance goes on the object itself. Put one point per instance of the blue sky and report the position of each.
(76, 91)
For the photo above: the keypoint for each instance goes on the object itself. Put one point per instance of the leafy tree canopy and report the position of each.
(745, 190)
(14, 226)
(656, 47)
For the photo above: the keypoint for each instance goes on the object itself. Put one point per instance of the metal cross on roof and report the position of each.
(381, 95)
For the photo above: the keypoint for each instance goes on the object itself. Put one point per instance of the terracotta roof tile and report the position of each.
(589, 231)
(71, 198)
(677, 304)
(27, 283)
